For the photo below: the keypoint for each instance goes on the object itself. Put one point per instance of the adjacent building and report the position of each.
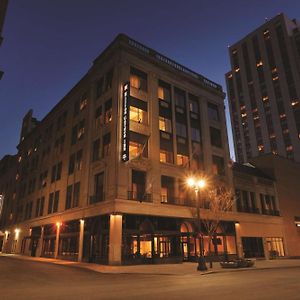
(256, 194)
(286, 174)
(102, 178)
(264, 90)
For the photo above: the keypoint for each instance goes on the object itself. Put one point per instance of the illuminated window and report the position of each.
(138, 115)
(182, 160)
(165, 156)
(83, 102)
(281, 116)
(164, 194)
(146, 249)
(138, 79)
(165, 124)
(80, 132)
(274, 70)
(260, 148)
(134, 81)
(164, 91)
(295, 102)
(108, 112)
(135, 149)
(266, 98)
(237, 70)
(260, 63)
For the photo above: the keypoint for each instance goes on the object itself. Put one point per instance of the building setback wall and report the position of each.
(286, 175)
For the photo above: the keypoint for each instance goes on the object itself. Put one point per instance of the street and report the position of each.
(20, 279)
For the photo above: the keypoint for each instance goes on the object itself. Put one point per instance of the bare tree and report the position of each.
(219, 201)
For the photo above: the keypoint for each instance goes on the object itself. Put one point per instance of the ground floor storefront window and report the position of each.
(222, 244)
(49, 246)
(150, 240)
(150, 248)
(275, 247)
(69, 240)
(96, 239)
(49, 240)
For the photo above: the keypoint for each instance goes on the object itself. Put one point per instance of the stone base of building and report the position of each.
(138, 239)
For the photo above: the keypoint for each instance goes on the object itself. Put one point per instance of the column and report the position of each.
(266, 250)
(115, 239)
(57, 239)
(81, 236)
(5, 238)
(239, 244)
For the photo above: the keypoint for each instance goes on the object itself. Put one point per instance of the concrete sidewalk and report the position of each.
(187, 268)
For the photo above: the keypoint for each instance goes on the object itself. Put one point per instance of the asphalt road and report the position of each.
(20, 279)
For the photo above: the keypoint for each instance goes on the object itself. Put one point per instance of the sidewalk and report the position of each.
(186, 268)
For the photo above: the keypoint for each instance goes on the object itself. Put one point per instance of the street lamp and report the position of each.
(198, 184)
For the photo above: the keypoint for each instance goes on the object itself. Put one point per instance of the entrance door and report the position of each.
(34, 247)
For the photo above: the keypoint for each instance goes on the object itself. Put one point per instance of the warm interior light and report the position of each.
(58, 224)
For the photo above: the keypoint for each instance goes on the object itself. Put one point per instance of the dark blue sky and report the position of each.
(49, 44)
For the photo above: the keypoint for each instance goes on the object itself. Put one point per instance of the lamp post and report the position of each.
(198, 185)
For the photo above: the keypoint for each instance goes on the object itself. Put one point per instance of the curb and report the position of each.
(120, 272)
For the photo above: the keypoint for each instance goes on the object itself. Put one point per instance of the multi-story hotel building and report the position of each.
(264, 90)
(102, 177)
(3, 8)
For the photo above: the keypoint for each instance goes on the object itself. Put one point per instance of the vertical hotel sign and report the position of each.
(125, 122)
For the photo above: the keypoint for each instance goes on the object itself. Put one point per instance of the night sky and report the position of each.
(50, 44)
